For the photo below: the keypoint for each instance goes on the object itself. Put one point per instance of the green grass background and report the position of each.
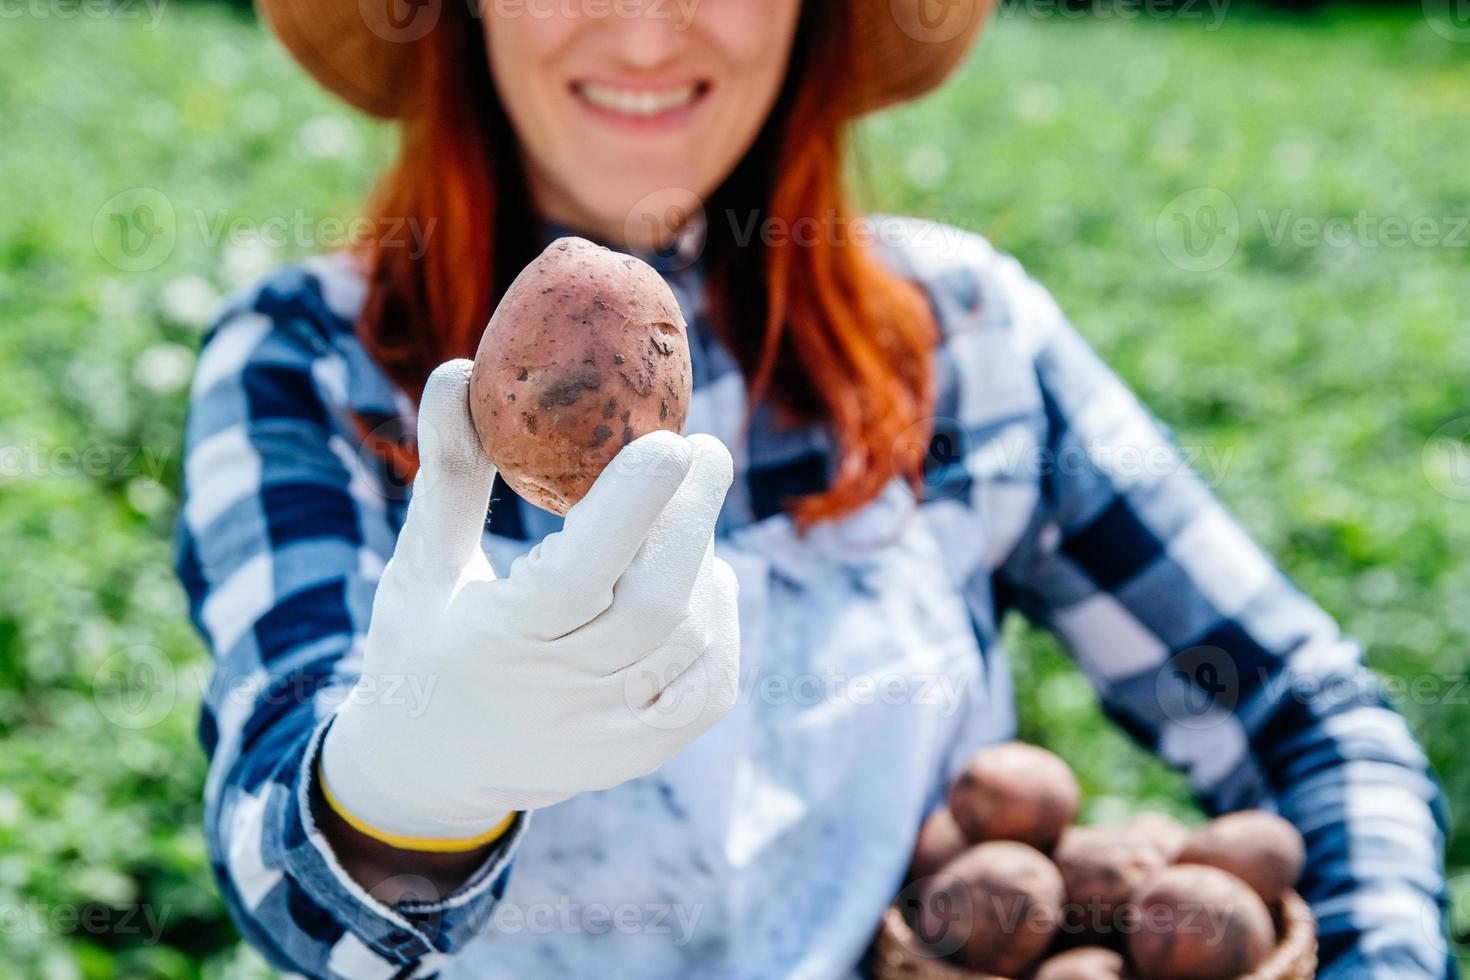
(1319, 374)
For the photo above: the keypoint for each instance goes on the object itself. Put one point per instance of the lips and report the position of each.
(637, 102)
(642, 105)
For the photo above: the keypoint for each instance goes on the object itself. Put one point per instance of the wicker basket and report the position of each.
(1296, 951)
(896, 955)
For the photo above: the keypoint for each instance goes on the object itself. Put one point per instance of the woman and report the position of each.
(691, 784)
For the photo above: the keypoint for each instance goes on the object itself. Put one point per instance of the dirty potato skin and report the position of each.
(1199, 923)
(586, 352)
(1259, 848)
(1017, 792)
(940, 841)
(1102, 867)
(998, 905)
(1163, 831)
(1084, 963)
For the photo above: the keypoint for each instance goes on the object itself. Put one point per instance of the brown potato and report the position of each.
(1260, 848)
(1083, 963)
(586, 352)
(1193, 922)
(1163, 831)
(1015, 792)
(939, 842)
(995, 907)
(1101, 869)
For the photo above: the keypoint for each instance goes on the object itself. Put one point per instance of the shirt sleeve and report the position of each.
(283, 535)
(1207, 653)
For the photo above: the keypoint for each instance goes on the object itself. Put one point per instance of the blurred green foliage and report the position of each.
(1319, 375)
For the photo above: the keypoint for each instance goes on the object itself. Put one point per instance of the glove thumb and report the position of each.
(451, 493)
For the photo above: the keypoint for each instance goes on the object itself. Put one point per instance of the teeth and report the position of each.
(636, 103)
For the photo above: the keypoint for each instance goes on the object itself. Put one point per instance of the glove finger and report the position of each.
(705, 690)
(657, 590)
(451, 493)
(613, 649)
(568, 578)
(642, 735)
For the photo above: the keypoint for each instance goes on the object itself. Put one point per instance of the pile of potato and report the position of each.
(1002, 882)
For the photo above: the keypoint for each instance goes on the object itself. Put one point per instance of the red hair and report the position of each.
(845, 342)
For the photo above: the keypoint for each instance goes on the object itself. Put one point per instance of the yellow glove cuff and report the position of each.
(436, 845)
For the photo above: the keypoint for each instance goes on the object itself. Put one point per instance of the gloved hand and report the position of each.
(607, 648)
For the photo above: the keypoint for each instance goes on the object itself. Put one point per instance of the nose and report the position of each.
(649, 35)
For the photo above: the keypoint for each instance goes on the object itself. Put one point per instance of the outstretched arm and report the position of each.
(370, 772)
(283, 538)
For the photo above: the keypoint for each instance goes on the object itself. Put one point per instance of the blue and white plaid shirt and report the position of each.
(870, 662)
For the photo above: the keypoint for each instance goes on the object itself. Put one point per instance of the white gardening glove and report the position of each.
(607, 648)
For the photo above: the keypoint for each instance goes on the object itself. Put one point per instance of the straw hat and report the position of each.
(360, 49)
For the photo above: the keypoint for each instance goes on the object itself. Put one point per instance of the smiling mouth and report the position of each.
(640, 103)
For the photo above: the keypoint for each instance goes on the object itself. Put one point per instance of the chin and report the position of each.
(643, 214)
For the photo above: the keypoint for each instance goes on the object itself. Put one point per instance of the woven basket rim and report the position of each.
(1295, 957)
(895, 955)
